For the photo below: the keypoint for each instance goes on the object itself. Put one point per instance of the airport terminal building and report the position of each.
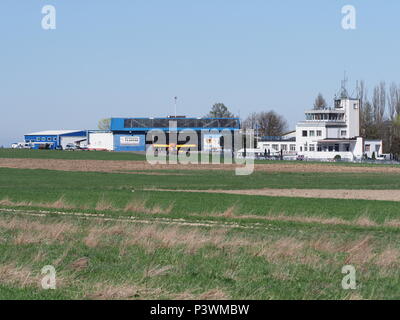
(325, 134)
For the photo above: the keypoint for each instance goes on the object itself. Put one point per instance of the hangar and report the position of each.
(54, 139)
(132, 134)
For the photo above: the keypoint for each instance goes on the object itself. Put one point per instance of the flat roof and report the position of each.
(337, 140)
(316, 111)
(52, 132)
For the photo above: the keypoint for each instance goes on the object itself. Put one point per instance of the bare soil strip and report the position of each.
(132, 219)
(118, 166)
(386, 195)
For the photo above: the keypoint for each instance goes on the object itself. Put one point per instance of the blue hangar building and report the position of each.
(131, 134)
(54, 139)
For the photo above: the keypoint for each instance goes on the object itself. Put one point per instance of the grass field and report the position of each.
(110, 236)
(132, 156)
(70, 155)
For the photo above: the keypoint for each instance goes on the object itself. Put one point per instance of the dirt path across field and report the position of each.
(125, 166)
(387, 195)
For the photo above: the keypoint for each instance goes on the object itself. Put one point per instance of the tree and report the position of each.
(363, 96)
(251, 121)
(379, 102)
(394, 101)
(320, 102)
(272, 124)
(266, 123)
(369, 128)
(219, 110)
(395, 136)
(375, 122)
(104, 124)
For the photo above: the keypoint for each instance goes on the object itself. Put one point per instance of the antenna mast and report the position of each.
(343, 93)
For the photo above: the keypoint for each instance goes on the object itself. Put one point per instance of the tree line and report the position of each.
(380, 115)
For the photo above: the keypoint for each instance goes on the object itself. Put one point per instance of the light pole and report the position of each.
(176, 102)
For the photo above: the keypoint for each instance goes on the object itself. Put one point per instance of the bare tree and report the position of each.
(369, 128)
(266, 123)
(363, 96)
(271, 124)
(394, 101)
(375, 122)
(320, 102)
(379, 102)
(251, 121)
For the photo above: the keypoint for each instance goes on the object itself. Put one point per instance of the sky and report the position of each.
(132, 57)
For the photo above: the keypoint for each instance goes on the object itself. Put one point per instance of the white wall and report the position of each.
(374, 146)
(281, 145)
(101, 141)
(328, 155)
(353, 117)
(302, 141)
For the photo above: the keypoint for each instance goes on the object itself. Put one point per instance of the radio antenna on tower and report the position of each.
(343, 91)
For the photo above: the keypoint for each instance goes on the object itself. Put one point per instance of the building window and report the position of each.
(55, 139)
(275, 147)
(301, 149)
(305, 148)
(283, 147)
(367, 147)
(319, 148)
(343, 133)
(312, 147)
(312, 133)
(43, 139)
(292, 147)
(304, 133)
(37, 139)
(48, 139)
(330, 148)
(319, 133)
(377, 147)
(336, 147)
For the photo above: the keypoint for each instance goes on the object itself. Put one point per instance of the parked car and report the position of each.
(70, 146)
(21, 145)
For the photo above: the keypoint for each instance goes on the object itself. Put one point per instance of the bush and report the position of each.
(337, 158)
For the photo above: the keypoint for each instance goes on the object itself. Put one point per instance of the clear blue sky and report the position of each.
(130, 58)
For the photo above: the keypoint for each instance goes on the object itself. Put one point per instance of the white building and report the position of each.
(100, 140)
(325, 134)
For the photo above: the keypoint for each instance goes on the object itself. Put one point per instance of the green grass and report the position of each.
(203, 254)
(70, 155)
(88, 188)
(26, 179)
(237, 272)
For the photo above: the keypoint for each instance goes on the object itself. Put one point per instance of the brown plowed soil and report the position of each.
(387, 195)
(124, 166)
